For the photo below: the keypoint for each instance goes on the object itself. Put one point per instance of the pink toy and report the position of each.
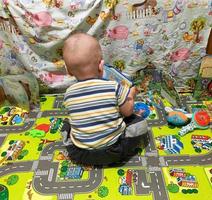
(119, 32)
(180, 54)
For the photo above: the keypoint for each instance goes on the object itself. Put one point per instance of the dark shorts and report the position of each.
(126, 146)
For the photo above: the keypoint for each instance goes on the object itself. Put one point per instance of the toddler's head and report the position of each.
(83, 56)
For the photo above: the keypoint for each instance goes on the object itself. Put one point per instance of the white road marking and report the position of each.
(144, 186)
(41, 172)
(51, 172)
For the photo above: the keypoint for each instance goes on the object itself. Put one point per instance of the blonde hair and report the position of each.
(82, 55)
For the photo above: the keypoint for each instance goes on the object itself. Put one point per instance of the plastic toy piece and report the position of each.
(142, 109)
(200, 120)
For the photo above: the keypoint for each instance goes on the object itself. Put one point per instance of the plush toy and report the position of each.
(177, 117)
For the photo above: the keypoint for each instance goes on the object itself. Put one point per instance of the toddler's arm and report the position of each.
(127, 108)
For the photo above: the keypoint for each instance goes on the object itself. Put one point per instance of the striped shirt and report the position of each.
(93, 108)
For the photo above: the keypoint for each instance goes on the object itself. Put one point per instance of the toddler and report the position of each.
(101, 128)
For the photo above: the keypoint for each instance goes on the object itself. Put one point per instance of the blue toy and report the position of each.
(142, 107)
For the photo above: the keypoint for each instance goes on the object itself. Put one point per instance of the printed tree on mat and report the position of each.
(12, 180)
(173, 188)
(197, 25)
(103, 191)
(4, 193)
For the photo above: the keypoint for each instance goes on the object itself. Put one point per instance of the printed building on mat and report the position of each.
(171, 144)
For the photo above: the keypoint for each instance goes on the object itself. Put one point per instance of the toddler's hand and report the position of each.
(133, 92)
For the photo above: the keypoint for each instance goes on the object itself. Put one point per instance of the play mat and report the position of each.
(34, 163)
(160, 44)
(169, 35)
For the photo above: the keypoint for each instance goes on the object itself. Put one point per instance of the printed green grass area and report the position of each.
(204, 188)
(19, 190)
(31, 143)
(111, 181)
(48, 104)
(186, 140)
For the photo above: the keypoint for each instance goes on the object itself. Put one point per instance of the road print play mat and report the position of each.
(34, 164)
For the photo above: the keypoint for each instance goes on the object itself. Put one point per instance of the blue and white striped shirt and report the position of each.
(93, 107)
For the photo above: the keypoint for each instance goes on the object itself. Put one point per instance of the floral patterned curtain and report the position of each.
(170, 35)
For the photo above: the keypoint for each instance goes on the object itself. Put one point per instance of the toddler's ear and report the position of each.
(101, 65)
(68, 71)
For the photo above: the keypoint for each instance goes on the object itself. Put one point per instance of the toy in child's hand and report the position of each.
(111, 73)
(141, 109)
(200, 120)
